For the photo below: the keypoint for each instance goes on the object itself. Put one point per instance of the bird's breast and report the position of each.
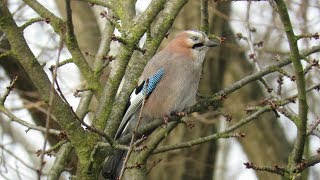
(176, 91)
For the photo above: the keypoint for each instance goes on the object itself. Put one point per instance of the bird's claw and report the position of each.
(166, 120)
(180, 113)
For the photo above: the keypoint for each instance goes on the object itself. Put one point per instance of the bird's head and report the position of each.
(191, 43)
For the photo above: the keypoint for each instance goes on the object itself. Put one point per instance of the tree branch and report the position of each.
(61, 160)
(133, 34)
(65, 30)
(137, 64)
(216, 98)
(307, 163)
(276, 169)
(204, 16)
(222, 134)
(25, 123)
(31, 21)
(106, 3)
(60, 110)
(300, 81)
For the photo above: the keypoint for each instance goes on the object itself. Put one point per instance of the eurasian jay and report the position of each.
(169, 83)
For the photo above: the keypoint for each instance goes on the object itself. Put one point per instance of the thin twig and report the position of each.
(107, 4)
(276, 169)
(226, 133)
(153, 165)
(8, 90)
(17, 158)
(67, 61)
(310, 36)
(51, 97)
(56, 146)
(31, 21)
(91, 128)
(25, 123)
(313, 126)
(289, 114)
(133, 137)
(307, 163)
(249, 40)
(223, 134)
(252, 53)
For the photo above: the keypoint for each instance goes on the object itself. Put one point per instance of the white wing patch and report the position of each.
(136, 99)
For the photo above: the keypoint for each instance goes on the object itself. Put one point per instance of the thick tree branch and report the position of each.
(65, 30)
(133, 34)
(60, 110)
(300, 81)
(137, 64)
(86, 97)
(60, 162)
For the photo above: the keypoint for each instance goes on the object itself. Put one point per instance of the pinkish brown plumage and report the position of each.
(182, 65)
(181, 61)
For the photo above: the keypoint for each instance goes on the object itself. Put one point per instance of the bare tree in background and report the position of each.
(257, 75)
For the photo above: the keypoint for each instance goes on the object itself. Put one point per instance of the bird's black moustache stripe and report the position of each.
(197, 45)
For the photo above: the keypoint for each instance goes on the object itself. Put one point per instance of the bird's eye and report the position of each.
(195, 38)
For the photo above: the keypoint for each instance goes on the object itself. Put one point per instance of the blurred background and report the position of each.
(248, 28)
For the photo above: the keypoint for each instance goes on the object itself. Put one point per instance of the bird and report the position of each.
(168, 84)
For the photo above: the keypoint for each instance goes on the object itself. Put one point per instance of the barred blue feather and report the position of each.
(137, 97)
(153, 81)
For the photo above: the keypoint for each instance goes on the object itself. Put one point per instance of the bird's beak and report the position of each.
(211, 43)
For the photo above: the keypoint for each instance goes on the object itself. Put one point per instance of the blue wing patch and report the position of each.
(137, 97)
(153, 81)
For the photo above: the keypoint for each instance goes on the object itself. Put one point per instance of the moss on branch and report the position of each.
(65, 30)
(80, 139)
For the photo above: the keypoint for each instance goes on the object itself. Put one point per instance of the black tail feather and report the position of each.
(112, 167)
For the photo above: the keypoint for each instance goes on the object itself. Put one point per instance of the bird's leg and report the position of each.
(180, 113)
(166, 119)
